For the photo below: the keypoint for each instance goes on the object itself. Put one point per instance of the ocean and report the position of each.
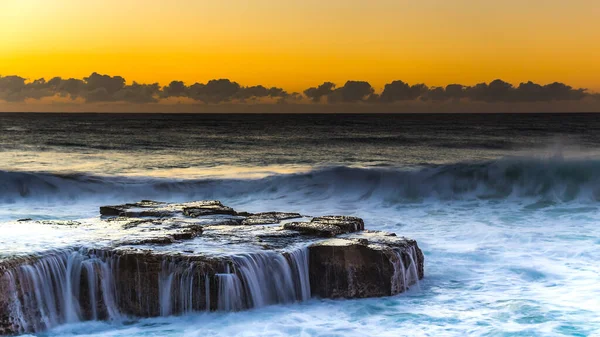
(504, 206)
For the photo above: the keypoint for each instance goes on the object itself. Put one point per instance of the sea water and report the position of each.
(505, 208)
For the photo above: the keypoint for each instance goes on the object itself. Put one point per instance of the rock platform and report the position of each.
(150, 258)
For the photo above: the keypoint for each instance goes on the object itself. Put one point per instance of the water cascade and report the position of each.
(405, 270)
(78, 285)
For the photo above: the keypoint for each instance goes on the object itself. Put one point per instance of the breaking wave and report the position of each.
(556, 180)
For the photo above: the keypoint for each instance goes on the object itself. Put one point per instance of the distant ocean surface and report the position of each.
(506, 207)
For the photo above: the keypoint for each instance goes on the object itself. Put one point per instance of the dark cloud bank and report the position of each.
(495, 91)
(104, 88)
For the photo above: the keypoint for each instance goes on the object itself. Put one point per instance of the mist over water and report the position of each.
(505, 207)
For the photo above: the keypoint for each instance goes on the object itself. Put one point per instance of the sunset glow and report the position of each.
(299, 168)
(297, 44)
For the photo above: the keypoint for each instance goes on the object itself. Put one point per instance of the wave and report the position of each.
(556, 180)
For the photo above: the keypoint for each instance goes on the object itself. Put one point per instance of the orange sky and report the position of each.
(299, 43)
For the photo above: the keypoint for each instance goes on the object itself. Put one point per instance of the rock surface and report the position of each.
(150, 208)
(364, 264)
(156, 259)
(327, 226)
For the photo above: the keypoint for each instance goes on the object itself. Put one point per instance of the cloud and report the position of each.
(175, 89)
(69, 87)
(99, 88)
(138, 93)
(11, 88)
(105, 88)
(501, 91)
(494, 92)
(277, 92)
(95, 88)
(561, 91)
(352, 91)
(316, 93)
(222, 90)
(454, 91)
(110, 84)
(400, 91)
(256, 91)
(219, 91)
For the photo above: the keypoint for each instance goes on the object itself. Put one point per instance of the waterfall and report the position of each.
(412, 268)
(230, 292)
(93, 289)
(107, 266)
(18, 317)
(250, 280)
(405, 270)
(79, 284)
(165, 287)
(270, 278)
(184, 286)
(48, 291)
(50, 286)
(206, 293)
(399, 281)
(299, 261)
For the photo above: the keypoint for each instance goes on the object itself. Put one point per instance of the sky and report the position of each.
(296, 44)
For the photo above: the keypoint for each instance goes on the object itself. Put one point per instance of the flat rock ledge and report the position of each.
(159, 259)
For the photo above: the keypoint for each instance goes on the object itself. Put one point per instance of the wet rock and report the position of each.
(362, 241)
(188, 233)
(61, 223)
(364, 265)
(161, 259)
(162, 240)
(133, 209)
(129, 224)
(327, 226)
(148, 208)
(348, 224)
(8, 325)
(207, 208)
(268, 218)
(315, 229)
(231, 222)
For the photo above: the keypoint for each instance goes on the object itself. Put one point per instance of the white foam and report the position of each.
(513, 265)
